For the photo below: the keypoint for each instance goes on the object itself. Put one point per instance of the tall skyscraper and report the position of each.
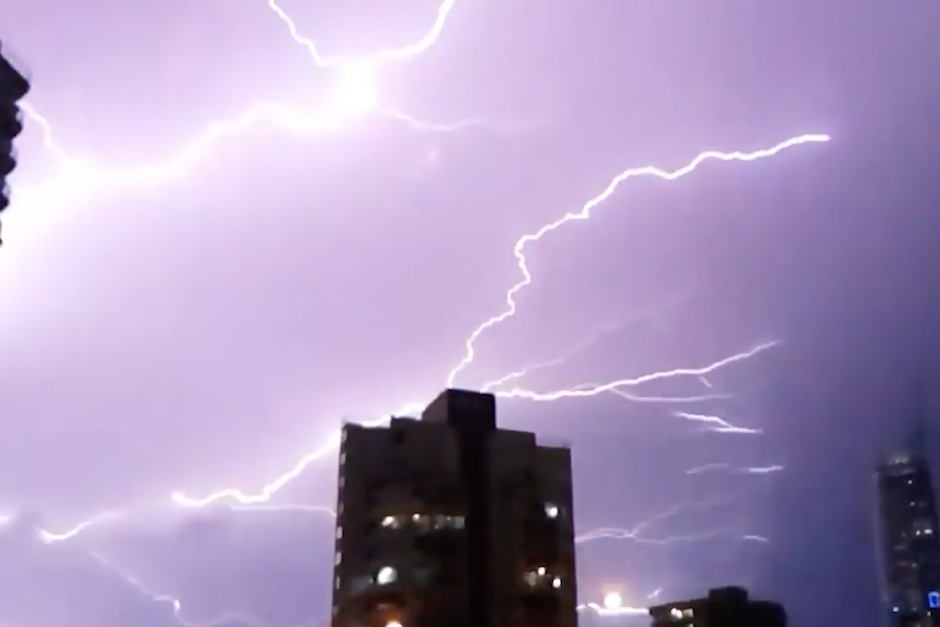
(909, 549)
(13, 87)
(448, 521)
(723, 607)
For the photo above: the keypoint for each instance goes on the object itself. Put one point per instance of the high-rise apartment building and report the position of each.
(447, 521)
(908, 547)
(723, 607)
(13, 87)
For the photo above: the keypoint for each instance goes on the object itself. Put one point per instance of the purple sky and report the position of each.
(195, 310)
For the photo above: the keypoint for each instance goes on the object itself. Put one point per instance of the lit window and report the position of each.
(339, 558)
(390, 521)
(342, 458)
(393, 623)
(551, 510)
(336, 582)
(556, 582)
(530, 578)
(458, 522)
(339, 533)
(416, 517)
(675, 612)
(687, 613)
(386, 575)
(541, 571)
(342, 480)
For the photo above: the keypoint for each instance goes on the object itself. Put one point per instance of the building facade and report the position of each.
(908, 547)
(723, 607)
(13, 87)
(448, 521)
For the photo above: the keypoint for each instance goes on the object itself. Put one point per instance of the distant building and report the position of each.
(908, 547)
(448, 521)
(723, 607)
(13, 87)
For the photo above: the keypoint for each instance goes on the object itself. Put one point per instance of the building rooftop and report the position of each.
(14, 79)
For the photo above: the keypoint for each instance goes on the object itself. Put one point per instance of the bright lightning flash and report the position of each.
(613, 605)
(355, 95)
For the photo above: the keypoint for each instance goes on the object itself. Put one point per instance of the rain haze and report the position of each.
(237, 223)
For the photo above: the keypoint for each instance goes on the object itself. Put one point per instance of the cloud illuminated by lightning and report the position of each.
(356, 95)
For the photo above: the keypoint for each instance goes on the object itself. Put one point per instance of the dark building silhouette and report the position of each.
(723, 607)
(448, 521)
(13, 87)
(908, 547)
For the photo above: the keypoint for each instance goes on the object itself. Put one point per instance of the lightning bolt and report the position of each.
(332, 442)
(585, 214)
(236, 499)
(637, 398)
(584, 391)
(639, 532)
(716, 424)
(752, 470)
(374, 59)
(274, 507)
(588, 342)
(176, 606)
(578, 348)
(620, 533)
(354, 97)
(50, 537)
